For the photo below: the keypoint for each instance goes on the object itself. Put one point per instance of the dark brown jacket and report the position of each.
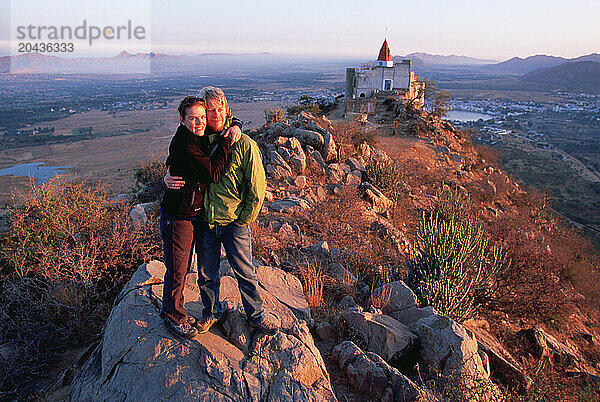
(191, 158)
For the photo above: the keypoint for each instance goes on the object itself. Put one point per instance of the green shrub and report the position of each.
(315, 110)
(454, 204)
(274, 115)
(386, 175)
(453, 267)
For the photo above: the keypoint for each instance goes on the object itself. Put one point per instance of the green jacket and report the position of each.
(240, 193)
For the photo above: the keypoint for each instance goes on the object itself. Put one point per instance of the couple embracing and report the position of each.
(215, 188)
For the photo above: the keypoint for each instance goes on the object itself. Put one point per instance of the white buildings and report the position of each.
(385, 79)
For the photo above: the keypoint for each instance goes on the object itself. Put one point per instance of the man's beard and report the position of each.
(215, 129)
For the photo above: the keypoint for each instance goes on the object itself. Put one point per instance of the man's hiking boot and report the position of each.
(204, 324)
(267, 326)
(184, 330)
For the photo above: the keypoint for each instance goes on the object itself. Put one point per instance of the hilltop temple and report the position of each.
(367, 86)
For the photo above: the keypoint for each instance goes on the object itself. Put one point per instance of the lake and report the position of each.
(464, 116)
(37, 170)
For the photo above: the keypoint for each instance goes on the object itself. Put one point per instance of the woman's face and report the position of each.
(195, 119)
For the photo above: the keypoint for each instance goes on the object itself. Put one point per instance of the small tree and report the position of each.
(439, 98)
(274, 115)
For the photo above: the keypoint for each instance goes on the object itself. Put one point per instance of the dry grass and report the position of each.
(492, 156)
(67, 254)
(312, 279)
(381, 299)
(347, 283)
(343, 134)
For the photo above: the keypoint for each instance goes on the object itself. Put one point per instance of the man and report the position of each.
(229, 207)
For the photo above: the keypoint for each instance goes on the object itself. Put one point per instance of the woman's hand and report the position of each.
(173, 182)
(234, 134)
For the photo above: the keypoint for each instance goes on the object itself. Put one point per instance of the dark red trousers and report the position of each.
(178, 238)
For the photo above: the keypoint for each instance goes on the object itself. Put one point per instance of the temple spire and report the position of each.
(385, 58)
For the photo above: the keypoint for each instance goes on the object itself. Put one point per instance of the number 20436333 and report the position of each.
(45, 47)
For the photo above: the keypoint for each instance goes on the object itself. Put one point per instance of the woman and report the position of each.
(190, 158)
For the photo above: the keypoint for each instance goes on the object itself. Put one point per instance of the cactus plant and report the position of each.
(452, 265)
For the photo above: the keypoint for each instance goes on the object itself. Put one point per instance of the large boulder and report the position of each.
(276, 159)
(308, 137)
(371, 374)
(289, 205)
(138, 215)
(545, 346)
(279, 172)
(411, 316)
(291, 150)
(503, 367)
(315, 157)
(380, 333)
(138, 359)
(397, 296)
(449, 349)
(329, 149)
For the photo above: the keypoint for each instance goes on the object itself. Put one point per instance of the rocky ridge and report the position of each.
(138, 359)
(384, 353)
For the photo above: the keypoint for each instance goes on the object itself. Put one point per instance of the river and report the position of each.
(464, 116)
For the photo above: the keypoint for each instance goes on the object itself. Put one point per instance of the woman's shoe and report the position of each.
(184, 330)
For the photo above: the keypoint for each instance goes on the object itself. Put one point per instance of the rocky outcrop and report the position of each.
(138, 359)
(544, 346)
(292, 146)
(380, 333)
(371, 374)
(289, 205)
(450, 350)
(503, 367)
(381, 204)
(397, 296)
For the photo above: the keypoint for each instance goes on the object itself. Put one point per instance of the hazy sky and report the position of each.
(479, 28)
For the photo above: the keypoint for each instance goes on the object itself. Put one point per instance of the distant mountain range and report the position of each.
(126, 63)
(544, 72)
(452, 60)
(577, 74)
(581, 76)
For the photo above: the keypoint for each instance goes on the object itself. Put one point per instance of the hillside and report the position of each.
(581, 76)
(518, 65)
(427, 273)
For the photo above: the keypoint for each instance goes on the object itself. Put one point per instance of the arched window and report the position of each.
(362, 95)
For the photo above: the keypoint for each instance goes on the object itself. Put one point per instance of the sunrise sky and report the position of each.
(495, 30)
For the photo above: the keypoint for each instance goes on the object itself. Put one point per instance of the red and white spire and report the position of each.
(385, 57)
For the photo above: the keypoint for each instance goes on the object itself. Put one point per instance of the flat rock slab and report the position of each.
(138, 359)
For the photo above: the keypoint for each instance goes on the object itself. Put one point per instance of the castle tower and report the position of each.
(385, 58)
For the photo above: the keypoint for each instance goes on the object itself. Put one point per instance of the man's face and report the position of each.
(195, 119)
(216, 114)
